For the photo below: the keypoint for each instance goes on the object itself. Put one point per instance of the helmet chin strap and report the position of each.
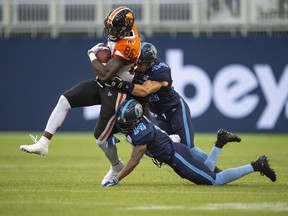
(114, 38)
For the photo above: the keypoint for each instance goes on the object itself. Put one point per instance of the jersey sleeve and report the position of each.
(160, 74)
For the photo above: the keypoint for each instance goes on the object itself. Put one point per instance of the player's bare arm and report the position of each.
(148, 87)
(106, 72)
(136, 155)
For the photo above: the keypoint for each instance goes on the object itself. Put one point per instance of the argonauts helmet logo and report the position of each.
(138, 110)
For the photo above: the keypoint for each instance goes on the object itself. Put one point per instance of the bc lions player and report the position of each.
(150, 139)
(124, 43)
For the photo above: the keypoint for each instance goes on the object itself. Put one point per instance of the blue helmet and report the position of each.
(128, 115)
(148, 54)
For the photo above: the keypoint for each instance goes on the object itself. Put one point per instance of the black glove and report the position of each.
(118, 83)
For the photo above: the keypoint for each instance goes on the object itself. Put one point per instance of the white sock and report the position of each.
(110, 152)
(58, 115)
(212, 158)
(44, 141)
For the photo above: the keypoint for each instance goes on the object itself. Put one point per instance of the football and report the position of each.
(103, 55)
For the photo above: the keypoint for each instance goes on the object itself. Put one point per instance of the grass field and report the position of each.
(67, 181)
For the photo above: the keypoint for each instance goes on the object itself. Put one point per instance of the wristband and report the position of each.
(128, 87)
(92, 56)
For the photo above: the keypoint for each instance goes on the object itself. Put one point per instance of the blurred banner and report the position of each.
(236, 83)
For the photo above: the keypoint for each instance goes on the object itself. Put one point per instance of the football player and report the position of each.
(153, 80)
(124, 44)
(150, 139)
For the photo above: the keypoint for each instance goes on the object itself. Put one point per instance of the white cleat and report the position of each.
(37, 148)
(114, 170)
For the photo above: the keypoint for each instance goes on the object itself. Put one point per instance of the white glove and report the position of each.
(96, 48)
(175, 138)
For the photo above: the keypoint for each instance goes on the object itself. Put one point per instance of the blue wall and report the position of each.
(238, 84)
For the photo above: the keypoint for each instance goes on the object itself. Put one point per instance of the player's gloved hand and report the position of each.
(111, 182)
(118, 83)
(96, 48)
(112, 141)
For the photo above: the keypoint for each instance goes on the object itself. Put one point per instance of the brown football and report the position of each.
(103, 55)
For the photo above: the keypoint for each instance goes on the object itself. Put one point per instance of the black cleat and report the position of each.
(224, 136)
(217, 170)
(262, 165)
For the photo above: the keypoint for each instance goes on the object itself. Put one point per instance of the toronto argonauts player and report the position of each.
(150, 139)
(153, 80)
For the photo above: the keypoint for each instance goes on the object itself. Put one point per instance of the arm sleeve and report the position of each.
(163, 74)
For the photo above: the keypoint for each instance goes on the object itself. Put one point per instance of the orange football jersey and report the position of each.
(128, 48)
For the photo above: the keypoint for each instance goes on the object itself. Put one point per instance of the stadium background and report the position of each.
(229, 59)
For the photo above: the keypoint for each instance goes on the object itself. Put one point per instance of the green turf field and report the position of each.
(67, 181)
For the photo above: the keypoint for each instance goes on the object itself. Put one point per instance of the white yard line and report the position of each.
(274, 207)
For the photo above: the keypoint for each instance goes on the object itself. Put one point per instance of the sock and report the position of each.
(44, 141)
(198, 154)
(232, 174)
(110, 153)
(212, 159)
(58, 115)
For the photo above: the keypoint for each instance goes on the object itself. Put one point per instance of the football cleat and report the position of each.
(217, 170)
(262, 165)
(113, 172)
(37, 148)
(224, 136)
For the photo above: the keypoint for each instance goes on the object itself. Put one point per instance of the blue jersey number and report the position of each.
(153, 97)
(140, 127)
